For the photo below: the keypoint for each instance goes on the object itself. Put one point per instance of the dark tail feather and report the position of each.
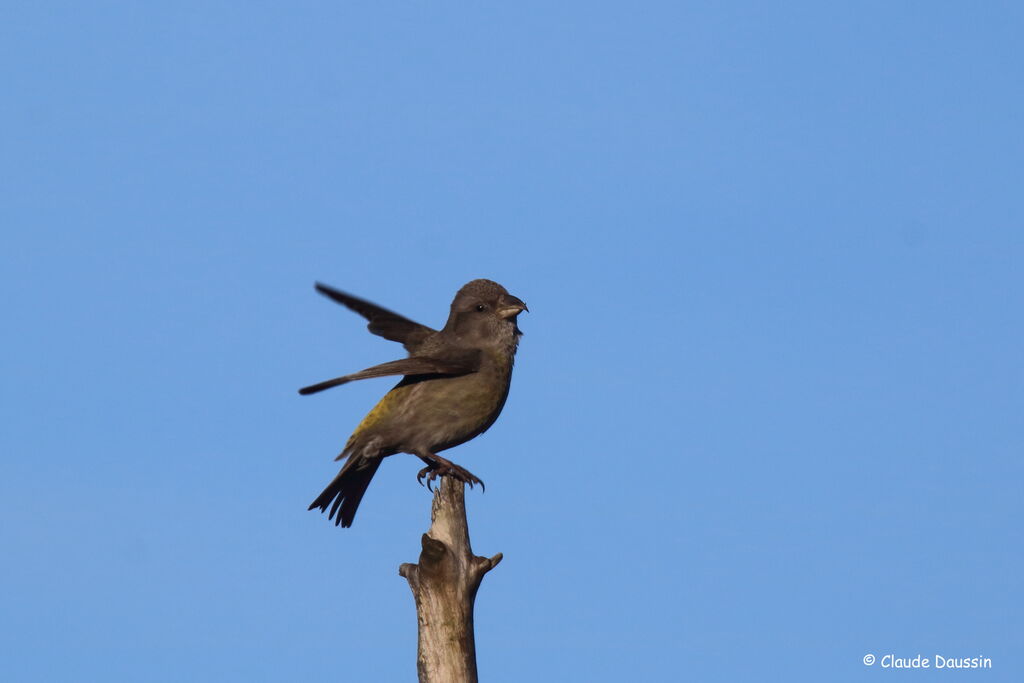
(347, 489)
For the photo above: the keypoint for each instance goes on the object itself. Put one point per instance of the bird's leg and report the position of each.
(439, 467)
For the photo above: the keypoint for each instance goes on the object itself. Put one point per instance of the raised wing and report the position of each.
(422, 365)
(383, 322)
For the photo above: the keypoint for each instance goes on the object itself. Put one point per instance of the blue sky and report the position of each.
(766, 416)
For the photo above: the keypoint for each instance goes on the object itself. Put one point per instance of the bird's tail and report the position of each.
(343, 494)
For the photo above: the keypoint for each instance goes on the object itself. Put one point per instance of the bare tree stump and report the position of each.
(444, 584)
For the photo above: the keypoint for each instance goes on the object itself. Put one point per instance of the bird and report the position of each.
(454, 385)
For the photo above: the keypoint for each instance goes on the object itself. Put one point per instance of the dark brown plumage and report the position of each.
(454, 385)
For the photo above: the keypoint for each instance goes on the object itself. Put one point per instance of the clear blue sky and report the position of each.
(766, 417)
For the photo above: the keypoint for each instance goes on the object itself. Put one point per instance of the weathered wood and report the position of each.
(444, 584)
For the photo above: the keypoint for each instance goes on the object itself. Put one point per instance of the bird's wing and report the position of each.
(455, 364)
(383, 322)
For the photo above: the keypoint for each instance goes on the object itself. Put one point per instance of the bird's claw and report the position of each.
(430, 472)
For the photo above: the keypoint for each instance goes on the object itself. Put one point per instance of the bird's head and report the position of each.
(483, 311)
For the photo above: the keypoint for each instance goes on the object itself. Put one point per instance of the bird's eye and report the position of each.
(481, 308)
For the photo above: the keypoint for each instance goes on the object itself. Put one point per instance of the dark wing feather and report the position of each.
(383, 322)
(461, 364)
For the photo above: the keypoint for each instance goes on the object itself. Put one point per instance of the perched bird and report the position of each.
(454, 385)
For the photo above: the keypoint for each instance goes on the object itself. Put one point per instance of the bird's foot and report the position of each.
(439, 467)
(430, 472)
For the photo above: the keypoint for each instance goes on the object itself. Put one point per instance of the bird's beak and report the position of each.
(511, 307)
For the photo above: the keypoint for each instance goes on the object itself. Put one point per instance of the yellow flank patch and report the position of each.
(378, 411)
